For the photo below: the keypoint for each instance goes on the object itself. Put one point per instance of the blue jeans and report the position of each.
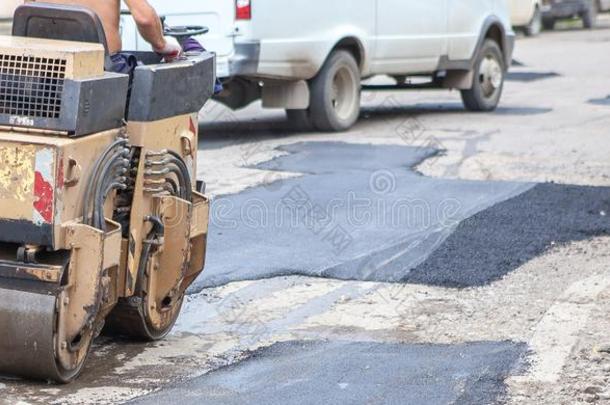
(123, 62)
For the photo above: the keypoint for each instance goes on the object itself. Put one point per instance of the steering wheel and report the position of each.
(187, 31)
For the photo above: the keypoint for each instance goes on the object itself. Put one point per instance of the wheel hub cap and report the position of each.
(490, 75)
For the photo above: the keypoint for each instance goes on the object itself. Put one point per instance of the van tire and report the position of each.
(335, 93)
(299, 120)
(548, 23)
(488, 83)
(589, 17)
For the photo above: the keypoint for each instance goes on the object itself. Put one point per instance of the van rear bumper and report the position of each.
(243, 62)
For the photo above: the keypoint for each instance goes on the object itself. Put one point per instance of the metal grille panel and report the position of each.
(31, 86)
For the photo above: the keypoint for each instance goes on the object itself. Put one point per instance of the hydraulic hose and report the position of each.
(118, 161)
(174, 164)
(157, 230)
(119, 164)
(177, 159)
(95, 176)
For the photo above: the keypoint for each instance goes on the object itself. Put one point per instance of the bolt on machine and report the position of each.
(103, 224)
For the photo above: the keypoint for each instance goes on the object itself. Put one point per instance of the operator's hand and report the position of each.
(171, 51)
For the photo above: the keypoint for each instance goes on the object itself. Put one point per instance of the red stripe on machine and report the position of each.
(43, 197)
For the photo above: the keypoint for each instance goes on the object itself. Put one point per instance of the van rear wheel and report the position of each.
(489, 75)
(589, 17)
(548, 24)
(335, 93)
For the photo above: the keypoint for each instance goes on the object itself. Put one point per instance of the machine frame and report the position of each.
(102, 225)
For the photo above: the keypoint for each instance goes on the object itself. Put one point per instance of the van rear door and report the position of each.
(411, 35)
(217, 15)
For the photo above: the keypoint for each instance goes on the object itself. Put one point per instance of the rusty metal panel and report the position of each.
(27, 192)
(33, 272)
(27, 182)
(17, 164)
(42, 181)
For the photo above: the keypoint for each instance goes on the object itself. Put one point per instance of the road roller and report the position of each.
(103, 223)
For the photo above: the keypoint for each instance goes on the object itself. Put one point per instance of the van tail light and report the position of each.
(243, 9)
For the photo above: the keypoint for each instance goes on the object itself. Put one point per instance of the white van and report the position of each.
(7, 8)
(309, 57)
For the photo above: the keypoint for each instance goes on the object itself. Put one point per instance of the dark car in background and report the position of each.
(587, 10)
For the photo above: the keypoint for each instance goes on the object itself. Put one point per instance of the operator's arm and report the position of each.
(149, 26)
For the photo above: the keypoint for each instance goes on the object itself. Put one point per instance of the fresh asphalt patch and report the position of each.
(499, 239)
(356, 373)
(360, 212)
(350, 203)
(530, 76)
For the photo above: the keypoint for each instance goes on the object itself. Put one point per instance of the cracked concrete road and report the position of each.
(555, 302)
